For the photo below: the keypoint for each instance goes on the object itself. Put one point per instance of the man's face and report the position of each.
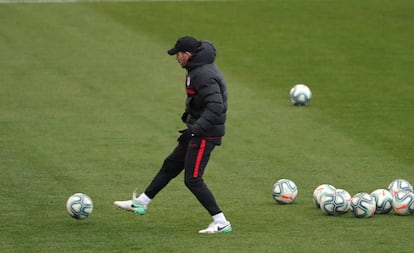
(182, 58)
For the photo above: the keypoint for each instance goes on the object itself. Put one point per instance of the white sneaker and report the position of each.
(217, 227)
(132, 205)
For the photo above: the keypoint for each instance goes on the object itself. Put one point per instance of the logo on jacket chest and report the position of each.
(188, 81)
(189, 90)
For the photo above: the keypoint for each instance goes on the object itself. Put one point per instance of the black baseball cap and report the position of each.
(185, 44)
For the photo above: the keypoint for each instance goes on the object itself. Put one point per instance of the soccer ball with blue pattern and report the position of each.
(285, 191)
(403, 203)
(346, 195)
(320, 191)
(383, 201)
(335, 202)
(363, 205)
(399, 185)
(79, 206)
(300, 95)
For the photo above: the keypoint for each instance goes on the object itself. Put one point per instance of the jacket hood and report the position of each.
(205, 54)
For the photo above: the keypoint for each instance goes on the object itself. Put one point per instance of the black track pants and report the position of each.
(192, 157)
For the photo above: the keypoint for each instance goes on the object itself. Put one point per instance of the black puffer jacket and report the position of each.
(206, 104)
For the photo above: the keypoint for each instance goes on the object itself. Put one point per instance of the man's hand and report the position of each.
(185, 136)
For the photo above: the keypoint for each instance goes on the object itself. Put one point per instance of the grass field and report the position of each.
(90, 102)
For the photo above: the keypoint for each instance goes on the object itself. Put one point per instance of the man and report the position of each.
(205, 117)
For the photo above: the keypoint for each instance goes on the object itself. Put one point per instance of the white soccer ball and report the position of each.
(300, 94)
(335, 202)
(399, 185)
(403, 203)
(285, 191)
(383, 201)
(319, 191)
(346, 195)
(363, 205)
(79, 206)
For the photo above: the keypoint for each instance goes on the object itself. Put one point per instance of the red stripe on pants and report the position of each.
(199, 157)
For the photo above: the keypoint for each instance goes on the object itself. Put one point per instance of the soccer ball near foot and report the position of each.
(79, 206)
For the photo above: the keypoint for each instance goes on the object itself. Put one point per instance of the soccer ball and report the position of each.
(320, 190)
(300, 94)
(383, 201)
(403, 203)
(363, 205)
(346, 195)
(285, 191)
(335, 202)
(398, 185)
(79, 206)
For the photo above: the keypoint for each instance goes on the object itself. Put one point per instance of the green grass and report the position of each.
(90, 102)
